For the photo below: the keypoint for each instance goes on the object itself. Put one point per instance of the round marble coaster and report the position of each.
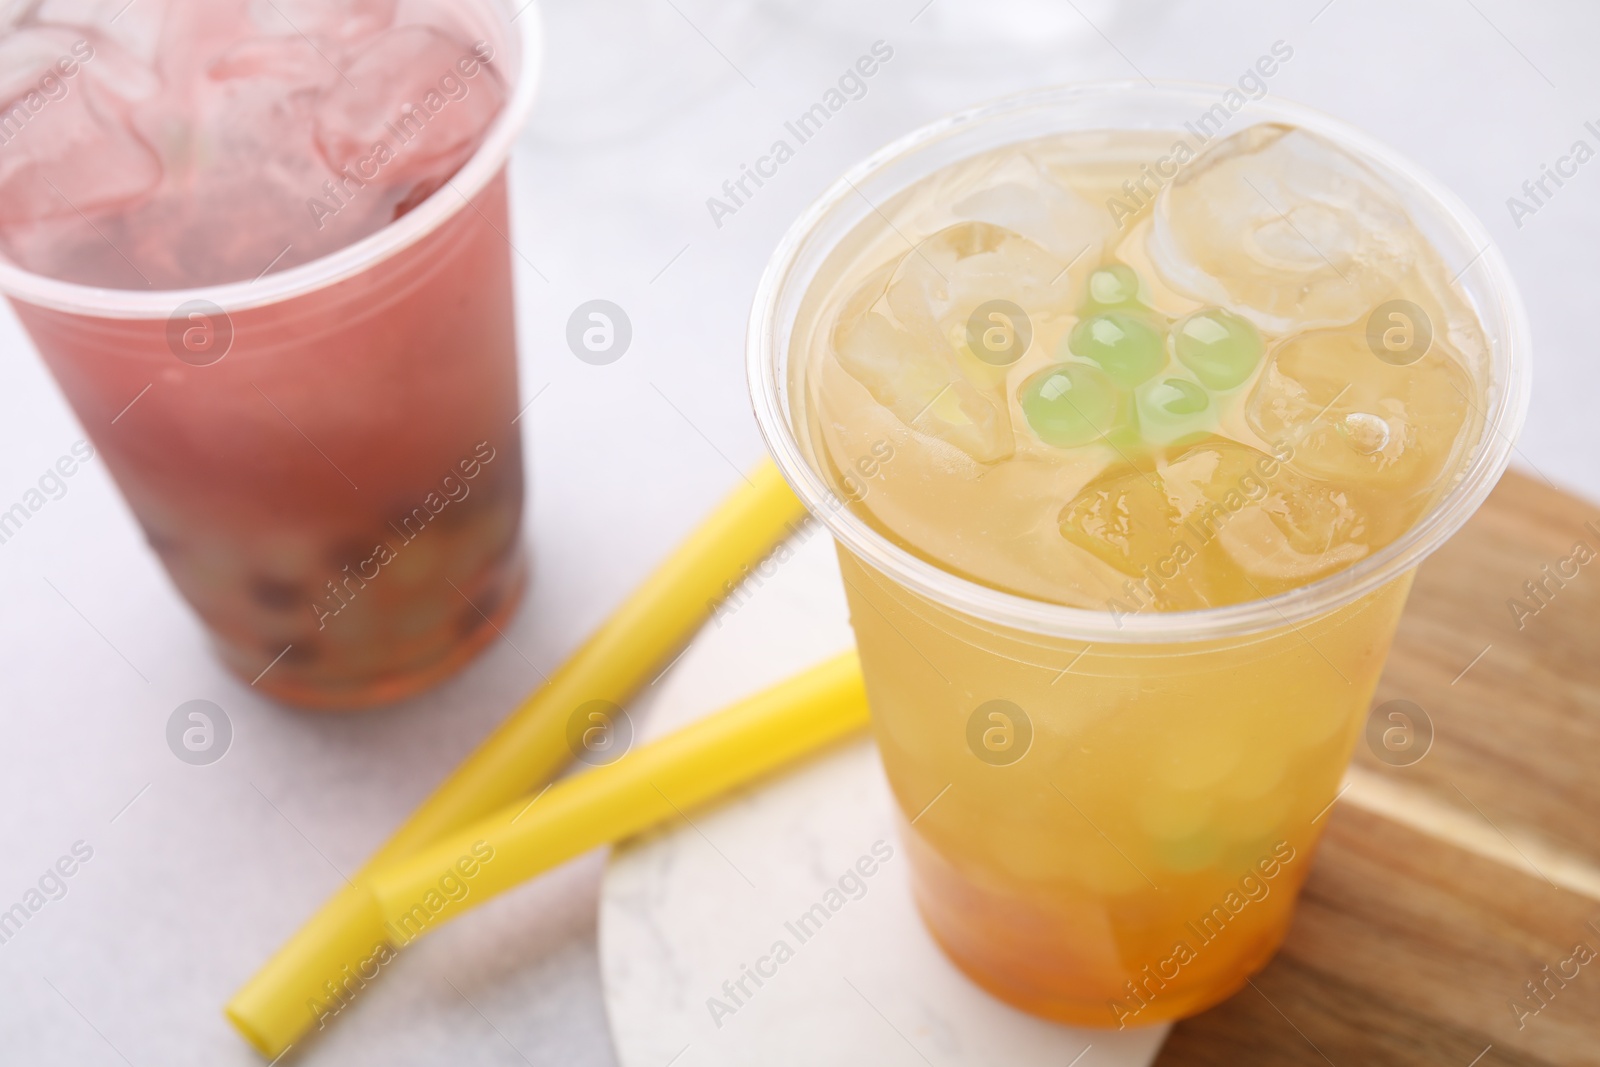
(777, 928)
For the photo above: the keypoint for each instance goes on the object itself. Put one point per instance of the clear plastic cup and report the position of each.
(1109, 817)
(325, 458)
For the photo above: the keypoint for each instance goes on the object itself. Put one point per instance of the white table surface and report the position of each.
(642, 118)
(691, 905)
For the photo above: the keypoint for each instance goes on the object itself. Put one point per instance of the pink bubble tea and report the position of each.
(263, 248)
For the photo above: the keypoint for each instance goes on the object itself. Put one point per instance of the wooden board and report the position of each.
(1442, 887)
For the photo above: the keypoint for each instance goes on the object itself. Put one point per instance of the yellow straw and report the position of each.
(651, 784)
(321, 967)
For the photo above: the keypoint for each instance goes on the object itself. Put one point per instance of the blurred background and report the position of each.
(646, 108)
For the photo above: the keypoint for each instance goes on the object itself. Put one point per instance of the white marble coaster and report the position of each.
(705, 959)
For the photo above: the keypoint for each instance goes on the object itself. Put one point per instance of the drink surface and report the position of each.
(1115, 380)
(1085, 371)
(183, 143)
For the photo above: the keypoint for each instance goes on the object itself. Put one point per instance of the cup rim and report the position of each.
(442, 204)
(767, 371)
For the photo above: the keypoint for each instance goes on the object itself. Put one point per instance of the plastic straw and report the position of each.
(654, 783)
(313, 976)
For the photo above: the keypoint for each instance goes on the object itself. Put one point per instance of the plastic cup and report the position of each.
(325, 458)
(1109, 817)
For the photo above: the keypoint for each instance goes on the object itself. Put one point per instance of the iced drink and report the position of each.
(1168, 431)
(264, 250)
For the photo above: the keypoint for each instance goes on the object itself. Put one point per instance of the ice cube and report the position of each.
(1351, 417)
(243, 167)
(904, 332)
(342, 20)
(1020, 196)
(1216, 523)
(1125, 518)
(1277, 528)
(34, 56)
(134, 29)
(408, 89)
(962, 266)
(193, 141)
(1283, 227)
(27, 55)
(1295, 536)
(64, 148)
(1157, 523)
(287, 58)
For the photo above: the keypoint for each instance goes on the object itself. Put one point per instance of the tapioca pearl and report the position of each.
(1102, 870)
(1315, 727)
(1365, 432)
(470, 620)
(164, 544)
(1197, 760)
(961, 822)
(422, 615)
(904, 743)
(1173, 816)
(1179, 397)
(297, 654)
(1131, 348)
(1032, 852)
(1116, 285)
(1036, 864)
(414, 562)
(1174, 410)
(346, 551)
(277, 594)
(1196, 853)
(1071, 404)
(1245, 856)
(1257, 774)
(1221, 348)
(1257, 817)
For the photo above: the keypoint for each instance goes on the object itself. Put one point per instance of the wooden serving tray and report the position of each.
(1442, 888)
